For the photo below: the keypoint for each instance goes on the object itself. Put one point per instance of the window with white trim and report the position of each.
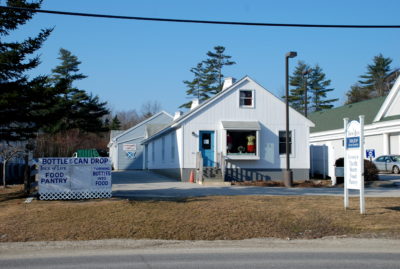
(241, 142)
(282, 142)
(246, 98)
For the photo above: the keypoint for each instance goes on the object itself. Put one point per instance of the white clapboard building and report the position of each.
(245, 124)
(126, 150)
(381, 130)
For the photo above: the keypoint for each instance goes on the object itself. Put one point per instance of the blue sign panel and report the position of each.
(370, 153)
(353, 142)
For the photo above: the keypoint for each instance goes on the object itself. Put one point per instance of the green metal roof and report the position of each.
(332, 119)
(87, 153)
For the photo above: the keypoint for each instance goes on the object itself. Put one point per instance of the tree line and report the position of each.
(49, 110)
(310, 86)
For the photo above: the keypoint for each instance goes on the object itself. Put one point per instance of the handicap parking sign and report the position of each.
(370, 153)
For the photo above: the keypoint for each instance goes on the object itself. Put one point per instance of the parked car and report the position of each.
(388, 163)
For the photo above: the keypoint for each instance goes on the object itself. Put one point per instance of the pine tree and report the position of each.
(374, 81)
(68, 69)
(316, 88)
(357, 94)
(76, 108)
(319, 89)
(115, 123)
(297, 94)
(25, 104)
(208, 77)
(214, 64)
(199, 87)
(377, 81)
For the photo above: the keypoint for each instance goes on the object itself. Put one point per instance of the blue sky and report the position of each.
(131, 62)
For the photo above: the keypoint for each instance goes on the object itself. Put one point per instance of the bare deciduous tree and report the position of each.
(8, 152)
(149, 109)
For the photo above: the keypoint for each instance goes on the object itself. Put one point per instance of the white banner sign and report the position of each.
(74, 178)
(129, 147)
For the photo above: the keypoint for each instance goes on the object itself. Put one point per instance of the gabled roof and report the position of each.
(394, 92)
(140, 124)
(223, 93)
(332, 119)
(374, 110)
(212, 100)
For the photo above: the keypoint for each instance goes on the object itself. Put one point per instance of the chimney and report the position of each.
(228, 81)
(195, 103)
(178, 114)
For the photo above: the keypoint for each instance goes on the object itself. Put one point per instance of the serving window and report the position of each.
(241, 143)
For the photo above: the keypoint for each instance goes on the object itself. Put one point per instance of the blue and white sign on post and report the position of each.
(370, 153)
(353, 160)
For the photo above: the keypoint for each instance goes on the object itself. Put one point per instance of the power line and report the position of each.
(198, 21)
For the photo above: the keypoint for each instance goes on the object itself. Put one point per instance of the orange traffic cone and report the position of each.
(191, 178)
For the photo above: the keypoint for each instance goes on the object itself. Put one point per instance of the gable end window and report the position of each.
(246, 98)
(282, 142)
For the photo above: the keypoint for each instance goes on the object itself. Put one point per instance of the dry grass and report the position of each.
(205, 218)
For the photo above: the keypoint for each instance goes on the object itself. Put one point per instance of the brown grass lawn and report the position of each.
(205, 218)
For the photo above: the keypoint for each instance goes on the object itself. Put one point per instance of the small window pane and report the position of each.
(206, 141)
(282, 142)
(246, 98)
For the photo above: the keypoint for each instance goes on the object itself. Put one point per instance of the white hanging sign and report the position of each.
(353, 160)
(353, 157)
(129, 147)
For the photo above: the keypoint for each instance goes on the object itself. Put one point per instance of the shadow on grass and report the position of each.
(14, 195)
(394, 208)
(169, 199)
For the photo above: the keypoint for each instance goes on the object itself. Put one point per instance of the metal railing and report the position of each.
(221, 163)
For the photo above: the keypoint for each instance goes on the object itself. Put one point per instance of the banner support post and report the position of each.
(346, 190)
(362, 197)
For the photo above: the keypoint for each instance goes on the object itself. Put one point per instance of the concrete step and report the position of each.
(212, 172)
(215, 183)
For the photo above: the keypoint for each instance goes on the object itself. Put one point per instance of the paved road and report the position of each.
(148, 184)
(259, 253)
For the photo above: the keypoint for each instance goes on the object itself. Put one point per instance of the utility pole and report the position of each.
(288, 174)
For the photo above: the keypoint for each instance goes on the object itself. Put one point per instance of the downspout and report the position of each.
(116, 152)
(182, 150)
(144, 157)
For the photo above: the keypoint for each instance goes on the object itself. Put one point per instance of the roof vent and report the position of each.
(228, 81)
(178, 114)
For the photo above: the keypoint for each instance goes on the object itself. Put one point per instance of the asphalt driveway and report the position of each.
(149, 184)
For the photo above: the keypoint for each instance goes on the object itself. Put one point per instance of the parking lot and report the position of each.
(137, 183)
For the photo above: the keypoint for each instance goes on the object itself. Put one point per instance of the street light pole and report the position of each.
(305, 72)
(288, 174)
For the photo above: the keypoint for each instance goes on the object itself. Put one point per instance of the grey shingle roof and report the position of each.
(155, 128)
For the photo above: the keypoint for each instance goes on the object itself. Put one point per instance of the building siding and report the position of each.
(120, 158)
(268, 110)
